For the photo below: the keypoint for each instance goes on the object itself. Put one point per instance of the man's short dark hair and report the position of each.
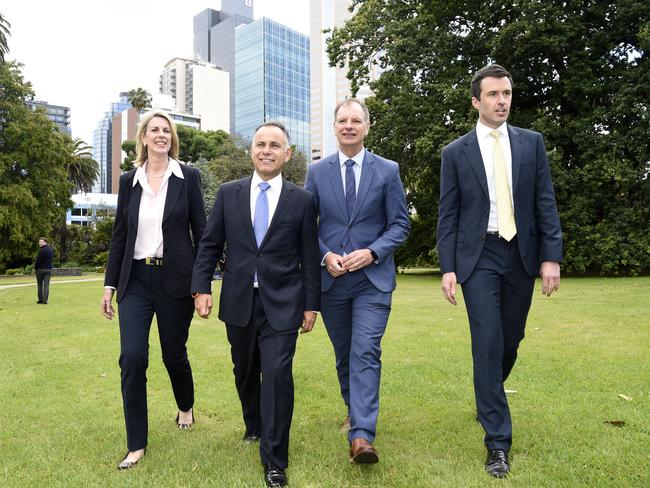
(43, 239)
(280, 126)
(350, 101)
(493, 70)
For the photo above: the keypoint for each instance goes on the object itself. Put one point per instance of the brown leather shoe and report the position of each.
(345, 426)
(362, 452)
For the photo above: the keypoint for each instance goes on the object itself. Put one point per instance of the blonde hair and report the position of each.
(141, 149)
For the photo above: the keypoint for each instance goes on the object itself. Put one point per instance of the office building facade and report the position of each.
(214, 39)
(198, 89)
(58, 114)
(272, 80)
(102, 146)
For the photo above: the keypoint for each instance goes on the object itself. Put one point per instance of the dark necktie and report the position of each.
(350, 187)
(261, 219)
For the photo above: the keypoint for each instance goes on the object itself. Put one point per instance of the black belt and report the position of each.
(153, 261)
(496, 234)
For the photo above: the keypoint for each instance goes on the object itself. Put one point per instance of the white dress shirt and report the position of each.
(358, 160)
(272, 196)
(149, 241)
(486, 143)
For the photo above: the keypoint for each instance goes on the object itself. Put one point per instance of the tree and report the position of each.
(139, 98)
(4, 33)
(34, 186)
(83, 170)
(581, 77)
(128, 147)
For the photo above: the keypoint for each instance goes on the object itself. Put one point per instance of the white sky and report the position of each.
(83, 53)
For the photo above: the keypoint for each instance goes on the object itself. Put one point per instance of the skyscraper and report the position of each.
(272, 80)
(214, 39)
(329, 85)
(102, 142)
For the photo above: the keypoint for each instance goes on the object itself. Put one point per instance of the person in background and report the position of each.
(43, 270)
(160, 219)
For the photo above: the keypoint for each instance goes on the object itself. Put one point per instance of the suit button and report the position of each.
(486, 214)
(481, 238)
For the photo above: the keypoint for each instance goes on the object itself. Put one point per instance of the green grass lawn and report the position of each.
(61, 421)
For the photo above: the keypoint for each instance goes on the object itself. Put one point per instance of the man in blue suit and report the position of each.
(363, 218)
(498, 226)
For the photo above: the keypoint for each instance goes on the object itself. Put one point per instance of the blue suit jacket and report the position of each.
(464, 204)
(380, 219)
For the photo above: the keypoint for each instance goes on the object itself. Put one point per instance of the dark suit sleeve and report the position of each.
(398, 224)
(448, 209)
(548, 220)
(118, 238)
(210, 247)
(312, 187)
(310, 258)
(197, 209)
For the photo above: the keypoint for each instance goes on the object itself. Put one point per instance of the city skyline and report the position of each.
(74, 60)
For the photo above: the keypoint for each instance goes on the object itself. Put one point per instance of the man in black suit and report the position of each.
(498, 226)
(270, 288)
(43, 270)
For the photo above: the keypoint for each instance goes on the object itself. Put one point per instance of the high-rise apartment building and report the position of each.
(329, 85)
(214, 39)
(198, 89)
(58, 114)
(272, 80)
(102, 146)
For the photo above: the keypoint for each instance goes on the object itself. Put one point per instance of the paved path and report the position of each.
(18, 285)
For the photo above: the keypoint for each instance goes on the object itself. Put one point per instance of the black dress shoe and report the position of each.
(250, 438)
(274, 476)
(497, 464)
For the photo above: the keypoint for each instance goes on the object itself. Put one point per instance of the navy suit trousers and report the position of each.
(497, 295)
(144, 297)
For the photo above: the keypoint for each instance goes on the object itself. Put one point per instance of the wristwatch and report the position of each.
(374, 254)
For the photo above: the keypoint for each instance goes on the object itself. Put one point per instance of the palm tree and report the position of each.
(83, 170)
(139, 98)
(4, 33)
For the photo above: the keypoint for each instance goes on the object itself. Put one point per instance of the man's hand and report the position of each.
(357, 259)
(309, 318)
(106, 304)
(203, 304)
(449, 287)
(333, 265)
(550, 273)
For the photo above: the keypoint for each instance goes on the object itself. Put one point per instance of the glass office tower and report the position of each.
(102, 141)
(272, 80)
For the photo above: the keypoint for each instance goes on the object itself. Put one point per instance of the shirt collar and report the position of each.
(358, 158)
(173, 167)
(275, 182)
(483, 131)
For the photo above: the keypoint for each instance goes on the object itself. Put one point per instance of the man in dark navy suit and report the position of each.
(498, 227)
(270, 289)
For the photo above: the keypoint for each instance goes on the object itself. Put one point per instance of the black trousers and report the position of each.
(146, 296)
(43, 284)
(262, 359)
(497, 295)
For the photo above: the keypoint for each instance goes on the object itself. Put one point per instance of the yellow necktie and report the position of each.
(505, 214)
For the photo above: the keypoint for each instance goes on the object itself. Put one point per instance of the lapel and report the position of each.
(174, 189)
(284, 204)
(243, 196)
(367, 175)
(336, 182)
(473, 156)
(516, 151)
(134, 204)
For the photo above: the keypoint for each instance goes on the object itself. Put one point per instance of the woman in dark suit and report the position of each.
(160, 217)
